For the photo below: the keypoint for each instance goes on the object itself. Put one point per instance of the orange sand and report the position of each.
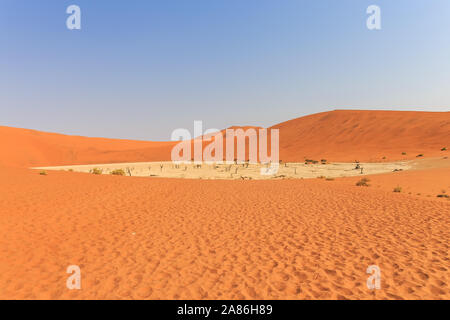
(348, 135)
(194, 239)
(342, 135)
(423, 183)
(31, 148)
(148, 238)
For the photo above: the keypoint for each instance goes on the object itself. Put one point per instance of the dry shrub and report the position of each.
(118, 172)
(363, 182)
(96, 171)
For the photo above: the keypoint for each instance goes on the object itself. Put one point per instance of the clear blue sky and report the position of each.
(140, 69)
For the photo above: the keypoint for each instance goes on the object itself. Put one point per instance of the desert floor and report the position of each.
(230, 237)
(155, 238)
(244, 171)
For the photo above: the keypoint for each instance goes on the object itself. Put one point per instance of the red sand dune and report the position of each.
(347, 135)
(27, 148)
(342, 135)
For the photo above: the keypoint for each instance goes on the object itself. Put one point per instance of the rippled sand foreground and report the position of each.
(141, 238)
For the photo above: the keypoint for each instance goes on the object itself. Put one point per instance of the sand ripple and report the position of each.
(140, 238)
